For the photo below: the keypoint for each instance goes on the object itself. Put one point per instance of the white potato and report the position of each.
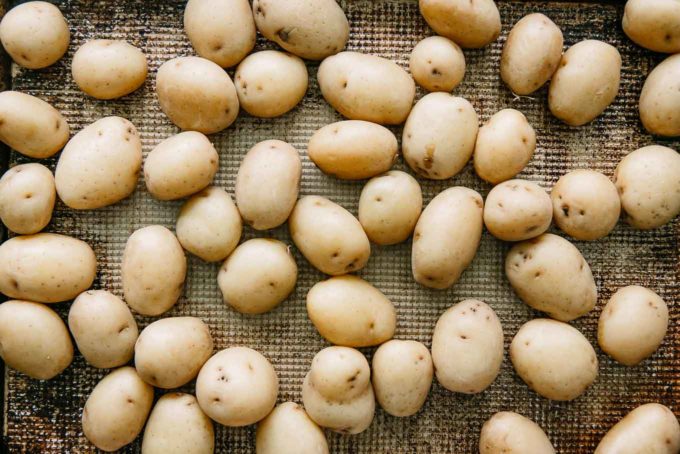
(437, 64)
(507, 432)
(27, 195)
(470, 24)
(289, 430)
(660, 97)
(653, 24)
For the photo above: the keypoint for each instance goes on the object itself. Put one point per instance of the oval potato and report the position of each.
(470, 24)
(27, 195)
(653, 24)
(507, 432)
(660, 97)
(437, 64)
(289, 430)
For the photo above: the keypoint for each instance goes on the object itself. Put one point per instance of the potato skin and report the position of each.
(470, 24)
(660, 97)
(437, 64)
(289, 430)
(34, 339)
(653, 24)
(27, 195)
(507, 432)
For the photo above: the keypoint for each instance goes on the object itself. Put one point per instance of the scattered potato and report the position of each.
(507, 432)
(653, 24)
(660, 98)
(470, 24)
(437, 64)
(27, 196)
(289, 430)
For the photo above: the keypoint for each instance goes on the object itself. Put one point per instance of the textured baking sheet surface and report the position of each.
(45, 416)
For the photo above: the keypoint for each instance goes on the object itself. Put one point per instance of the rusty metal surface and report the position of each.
(45, 416)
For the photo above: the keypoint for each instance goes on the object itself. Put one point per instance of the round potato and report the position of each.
(653, 24)
(507, 432)
(104, 329)
(439, 135)
(470, 24)
(366, 87)
(196, 94)
(585, 83)
(328, 236)
(289, 430)
(446, 237)
(648, 181)
(153, 270)
(437, 64)
(100, 165)
(660, 98)
(258, 276)
(267, 184)
(34, 339)
(27, 196)
(237, 386)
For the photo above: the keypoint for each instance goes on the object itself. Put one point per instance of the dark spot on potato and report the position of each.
(463, 336)
(13, 282)
(25, 57)
(250, 367)
(525, 140)
(217, 47)
(436, 72)
(216, 399)
(344, 84)
(283, 34)
(378, 199)
(565, 210)
(335, 254)
(57, 125)
(428, 160)
(537, 274)
(130, 401)
(421, 357)
(272, 284)
(581, 212)
(28, 195)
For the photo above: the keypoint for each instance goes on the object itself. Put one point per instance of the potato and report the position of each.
(178, 425)
(402, 376)
(366, 87)
(467, 347)
(337, 391)
(653, 24)
(470, 24)
(504, 146)
(439, 135)
(267, 184)
(289, 430)
(311, 30)
(347, 310)
(550, 275)
(531, 53)
(585, 83)
(648, 181)
(196, 94)
(170, 352)
(104, 329)
(517, 210)
(554, 359)
(153, 270)
(180, 166)
(34, 339)
(209, 224)
(237, 387)
(220, 30)
(507, 432)
(649, 428)
(660, 97)
(328, 236)
(446, 237)
(116, 410)
(35, 34)
(100, 165)
(31, 126)
(27, 195)
(46, 267)
(389, 207)
(258, 276)
(585, 204)
(632, 324)
(437, 64)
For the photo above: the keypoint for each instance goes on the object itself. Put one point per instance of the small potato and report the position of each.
(550, 275)
(389, 207)
(100, 165)
(222, 31)
(446, 237)
(170, 352)
(367, 87)
(153, 270)
(585, 83)
(554, 359)
(402, 376)
(437, 64)
(209, 224)
(258, 276)
(439, 135)
(632, 324)
(653, 24)
(353, 149)
(507, 432)
(268, 183)
(180, 166)
(35, 34)
(34, 339)
(196, 94)
(660, 98)
(311, 30)
(177, 425)
(585, 204)
(116, 410)
(27, 196)
(289, 430)
(328, 236)
(237, 387)
(467, 347)
(504, 146)
(349, 311)
(46, 267)
(648, 181)
(104, 329)
(517, 210)
(31, 126)
(531, 53)
(470, 24)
